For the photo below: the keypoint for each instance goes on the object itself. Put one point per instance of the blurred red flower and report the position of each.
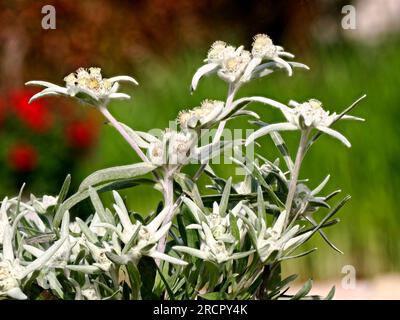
(23, 157)
(81, 134)
(35, 115)
(2, 112)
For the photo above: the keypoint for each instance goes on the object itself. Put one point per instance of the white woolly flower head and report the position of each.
(8, 277)
(156, 153)
(86, 84)
(180, 147)
(89, 79)
(312, 113)
(234, 65)
(263, 47)
(206, 113)
(219, 51)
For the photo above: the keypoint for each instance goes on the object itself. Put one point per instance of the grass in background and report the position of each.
(369, 171)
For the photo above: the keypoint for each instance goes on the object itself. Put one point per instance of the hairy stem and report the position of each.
(123, 133)
(296, 170)
(231, 94)
(168, 185)
(168, 190)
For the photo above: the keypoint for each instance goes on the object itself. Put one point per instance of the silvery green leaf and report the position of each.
(319, 188)
(119, 260)
(207, 152)
(88, 269)
(104, 187)
(252, 169)
(98, 206)
(194, 226)
(33, 250)
(162, 256)
(86, 231)
(16, 293)
(335, 134)
(326, 218)
(269, 67)
(135, 136)
(247, 113)
(254, 62)
(117, 173)
(285, 64)
(39, 262)
(191, 251)
(135, 280)
(189, 187)
(63, 192)
(313, 222)
(121, 211)
(284, 126)
(234, 227)
(279, 224)
(123, 78)
(159, 219)
(302, 254)
(303, 291)
(296, 240)
(280, 145)
(331, 294)
(223, 205)
(195, 210)
(8, 252)
(260, 204)
(241, 255)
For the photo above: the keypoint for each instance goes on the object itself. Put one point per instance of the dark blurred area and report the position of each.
(116, 34)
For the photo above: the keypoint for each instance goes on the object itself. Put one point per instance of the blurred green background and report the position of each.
(162, 44)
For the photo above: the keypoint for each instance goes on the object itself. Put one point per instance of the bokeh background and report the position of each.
(162, 43)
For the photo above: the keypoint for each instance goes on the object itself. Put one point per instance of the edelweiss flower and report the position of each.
(233, 66)
(273, 240)
(84, 84)
(46, 202)
(217, 242)
(305, 116)
(211, 249)
(218, 222)
(140, 240)
(173, 148)
(12, 272)
(264, 49)
(204, 116)
(236, 65)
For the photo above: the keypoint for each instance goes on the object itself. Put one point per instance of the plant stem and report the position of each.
(167, 184)
(122, 131)
(231, 94)
(296, 170)
(168, 190)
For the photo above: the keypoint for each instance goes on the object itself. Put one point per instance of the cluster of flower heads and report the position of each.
(206, 113)
(89, 248)
(173, 148)
(237, 65)
(306, 116)
(88, 85)
(219, 244)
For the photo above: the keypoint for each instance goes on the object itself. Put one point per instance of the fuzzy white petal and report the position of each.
(202, 71)
(123, 78)
(335, 134)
